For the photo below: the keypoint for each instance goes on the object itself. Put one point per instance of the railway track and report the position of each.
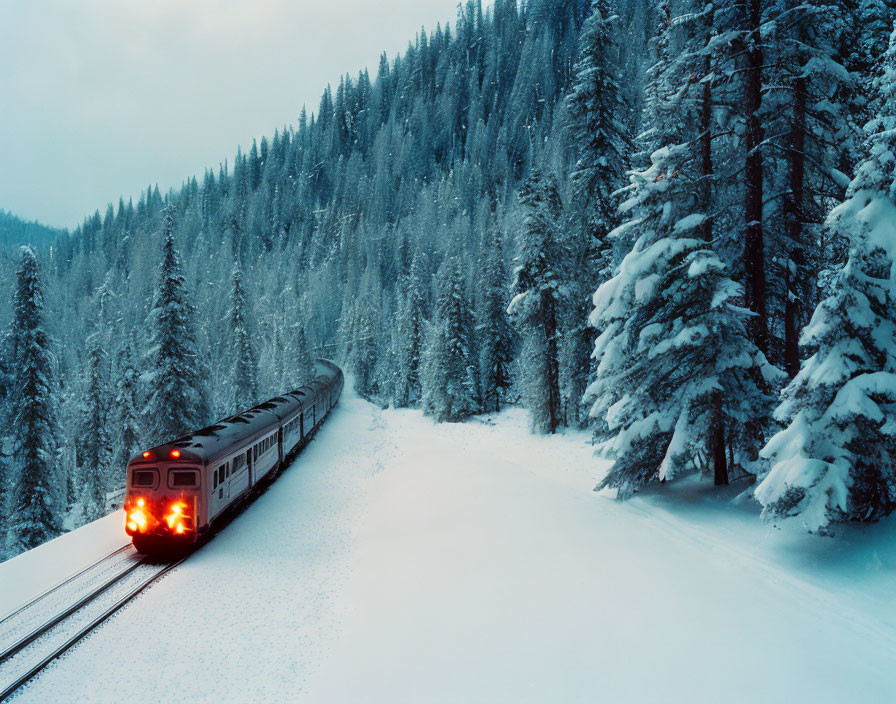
(42, 630)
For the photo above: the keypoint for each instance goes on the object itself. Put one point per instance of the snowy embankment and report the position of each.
(399, 561)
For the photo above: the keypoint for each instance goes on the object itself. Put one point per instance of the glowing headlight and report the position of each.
(175, 517)
(137, 519)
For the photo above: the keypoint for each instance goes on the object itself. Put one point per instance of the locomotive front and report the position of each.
(163, 501)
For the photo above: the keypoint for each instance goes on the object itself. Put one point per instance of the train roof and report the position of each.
(221, 438)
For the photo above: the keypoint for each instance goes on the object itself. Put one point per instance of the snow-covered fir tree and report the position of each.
(536, 292)
(598, 136)
(36, 498)
(834, 459)
(175, 376)
(125, 416)
(6, 391)
(94, 447)
(244, 368)
(805, 98)
(410, 337)
(677, 375)
(449, 368)
(95, 458)
(365, 320)
(299, 361)
(600, 139)
(493, 330)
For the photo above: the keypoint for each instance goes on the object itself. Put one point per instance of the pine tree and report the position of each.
(536, 296)
(35, 496)
(128, 428)
(834, 459)
(806, 115)
(96, 452)
(176, 373)
(449, 372)
(6, 391)
(300, 363)
(597, 109)
(493, 328)
(244, 368)
(410, 337)
(365, 335)
(677, 375)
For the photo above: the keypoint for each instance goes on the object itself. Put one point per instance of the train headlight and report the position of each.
(137, 520)
(176, 516)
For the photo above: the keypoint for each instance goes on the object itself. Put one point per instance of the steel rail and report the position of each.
(77, 606)
(61, 584)
(87, 630)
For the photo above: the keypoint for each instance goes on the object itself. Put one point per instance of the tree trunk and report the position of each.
(717, 428)
(754, 255)
(793, 218)
(550, 332)
(706, 151)
(719, 460)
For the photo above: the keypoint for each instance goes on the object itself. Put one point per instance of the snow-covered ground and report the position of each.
(400, 561)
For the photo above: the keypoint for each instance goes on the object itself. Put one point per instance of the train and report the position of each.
(178, 493)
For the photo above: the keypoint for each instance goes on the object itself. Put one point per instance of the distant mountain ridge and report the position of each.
(14, 230)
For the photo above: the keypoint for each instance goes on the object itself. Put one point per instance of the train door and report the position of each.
(251, 467)
(220, 491)
(227, 482)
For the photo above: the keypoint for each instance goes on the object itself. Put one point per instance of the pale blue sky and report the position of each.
(101, 97)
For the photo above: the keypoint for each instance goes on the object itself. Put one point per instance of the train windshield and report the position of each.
(182, 478)
(143, 477)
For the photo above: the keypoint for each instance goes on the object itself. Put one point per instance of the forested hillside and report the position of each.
(621, 214)
(15, 231)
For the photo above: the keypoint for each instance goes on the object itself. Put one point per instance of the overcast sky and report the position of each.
(99, 98)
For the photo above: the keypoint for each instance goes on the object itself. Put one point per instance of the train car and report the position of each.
(178, 492)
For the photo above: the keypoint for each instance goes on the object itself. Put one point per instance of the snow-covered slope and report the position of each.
(399, 561)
